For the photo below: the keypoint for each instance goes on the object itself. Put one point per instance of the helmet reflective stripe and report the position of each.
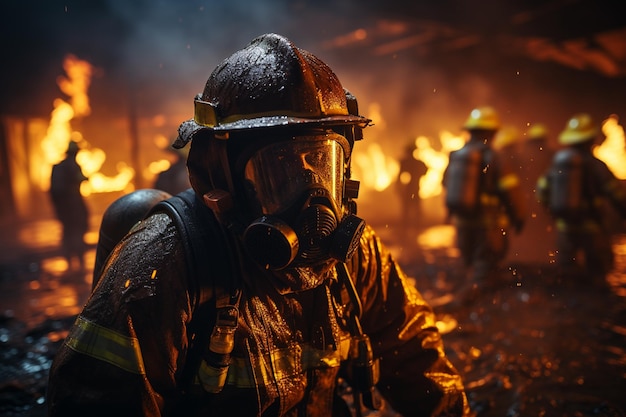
(106, 345)
(279, 364)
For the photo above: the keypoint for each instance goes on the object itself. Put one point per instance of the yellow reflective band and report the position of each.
(279, 364)
(107, 345)
(508, 181)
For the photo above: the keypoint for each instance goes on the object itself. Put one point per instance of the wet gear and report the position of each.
(300, 200)
(119, 217)
(299, 330)
(292, 370)
(269, 85)
(273, 100)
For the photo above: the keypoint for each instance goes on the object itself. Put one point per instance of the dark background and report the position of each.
(427, 63)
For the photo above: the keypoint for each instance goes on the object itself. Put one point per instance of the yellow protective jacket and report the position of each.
(126, 352)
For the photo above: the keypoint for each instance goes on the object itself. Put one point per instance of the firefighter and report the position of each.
(412, 170)
(538, 231)
(313, 300)
(70, 207)
(484, 200)
(579, 191)
(538, 153)
(506, 143)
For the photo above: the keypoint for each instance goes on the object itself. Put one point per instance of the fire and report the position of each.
(378, 170)
(60, 133)
(76, 84)
(436, 161)
(613, 149)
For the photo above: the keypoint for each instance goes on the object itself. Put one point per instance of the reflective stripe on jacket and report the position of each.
(288, 346)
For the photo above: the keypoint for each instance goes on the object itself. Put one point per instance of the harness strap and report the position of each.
(209, 262)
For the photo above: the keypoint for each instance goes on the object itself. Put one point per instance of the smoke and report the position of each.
(426, 64)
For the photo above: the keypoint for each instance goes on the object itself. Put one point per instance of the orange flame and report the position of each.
(436, 161)
(60, 133)
(613, 149)
(378, 170)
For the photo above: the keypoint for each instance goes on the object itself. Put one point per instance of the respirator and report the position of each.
(303, 195)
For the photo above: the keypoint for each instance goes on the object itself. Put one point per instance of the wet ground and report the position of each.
(529, 346)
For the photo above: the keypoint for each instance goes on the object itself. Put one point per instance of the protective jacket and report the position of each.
(479, 174)
(579, 191)
(589, 192)
(498, 189)
(127, 351)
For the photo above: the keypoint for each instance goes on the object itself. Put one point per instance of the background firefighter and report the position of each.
(580, 191)
(407, 186)
(69, 206)
(313, 294)
(484, 199)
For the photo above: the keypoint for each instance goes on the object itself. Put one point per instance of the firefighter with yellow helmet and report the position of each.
(577, 189)
(299, 292)
(538, 152)
(484, 200)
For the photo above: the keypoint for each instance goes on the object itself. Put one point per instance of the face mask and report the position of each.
(299, 185)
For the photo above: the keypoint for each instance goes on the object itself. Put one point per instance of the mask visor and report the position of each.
(281, 172)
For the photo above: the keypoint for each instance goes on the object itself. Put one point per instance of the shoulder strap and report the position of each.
(210, 265)
(203, 241)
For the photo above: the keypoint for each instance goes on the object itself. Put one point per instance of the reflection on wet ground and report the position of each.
(532, 346)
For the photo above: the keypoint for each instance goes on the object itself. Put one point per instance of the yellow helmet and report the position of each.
(537, 131)
(507, 136)
(484, 118)
(580, 128)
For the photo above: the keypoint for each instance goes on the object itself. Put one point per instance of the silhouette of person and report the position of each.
(484, 200)
(408, 187)
(506, 143)
(69, 206)
(538, 154)
(537, 236)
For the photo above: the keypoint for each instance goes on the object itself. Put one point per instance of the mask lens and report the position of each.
(281, 172)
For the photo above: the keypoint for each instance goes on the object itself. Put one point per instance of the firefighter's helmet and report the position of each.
(269, 85)
(272, 83)
(271, 144)
(506, 136)
(483, 118)
(537, 131)
(72, 148)
(579, 128)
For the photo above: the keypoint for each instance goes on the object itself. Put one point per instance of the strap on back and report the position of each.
(210, 270)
